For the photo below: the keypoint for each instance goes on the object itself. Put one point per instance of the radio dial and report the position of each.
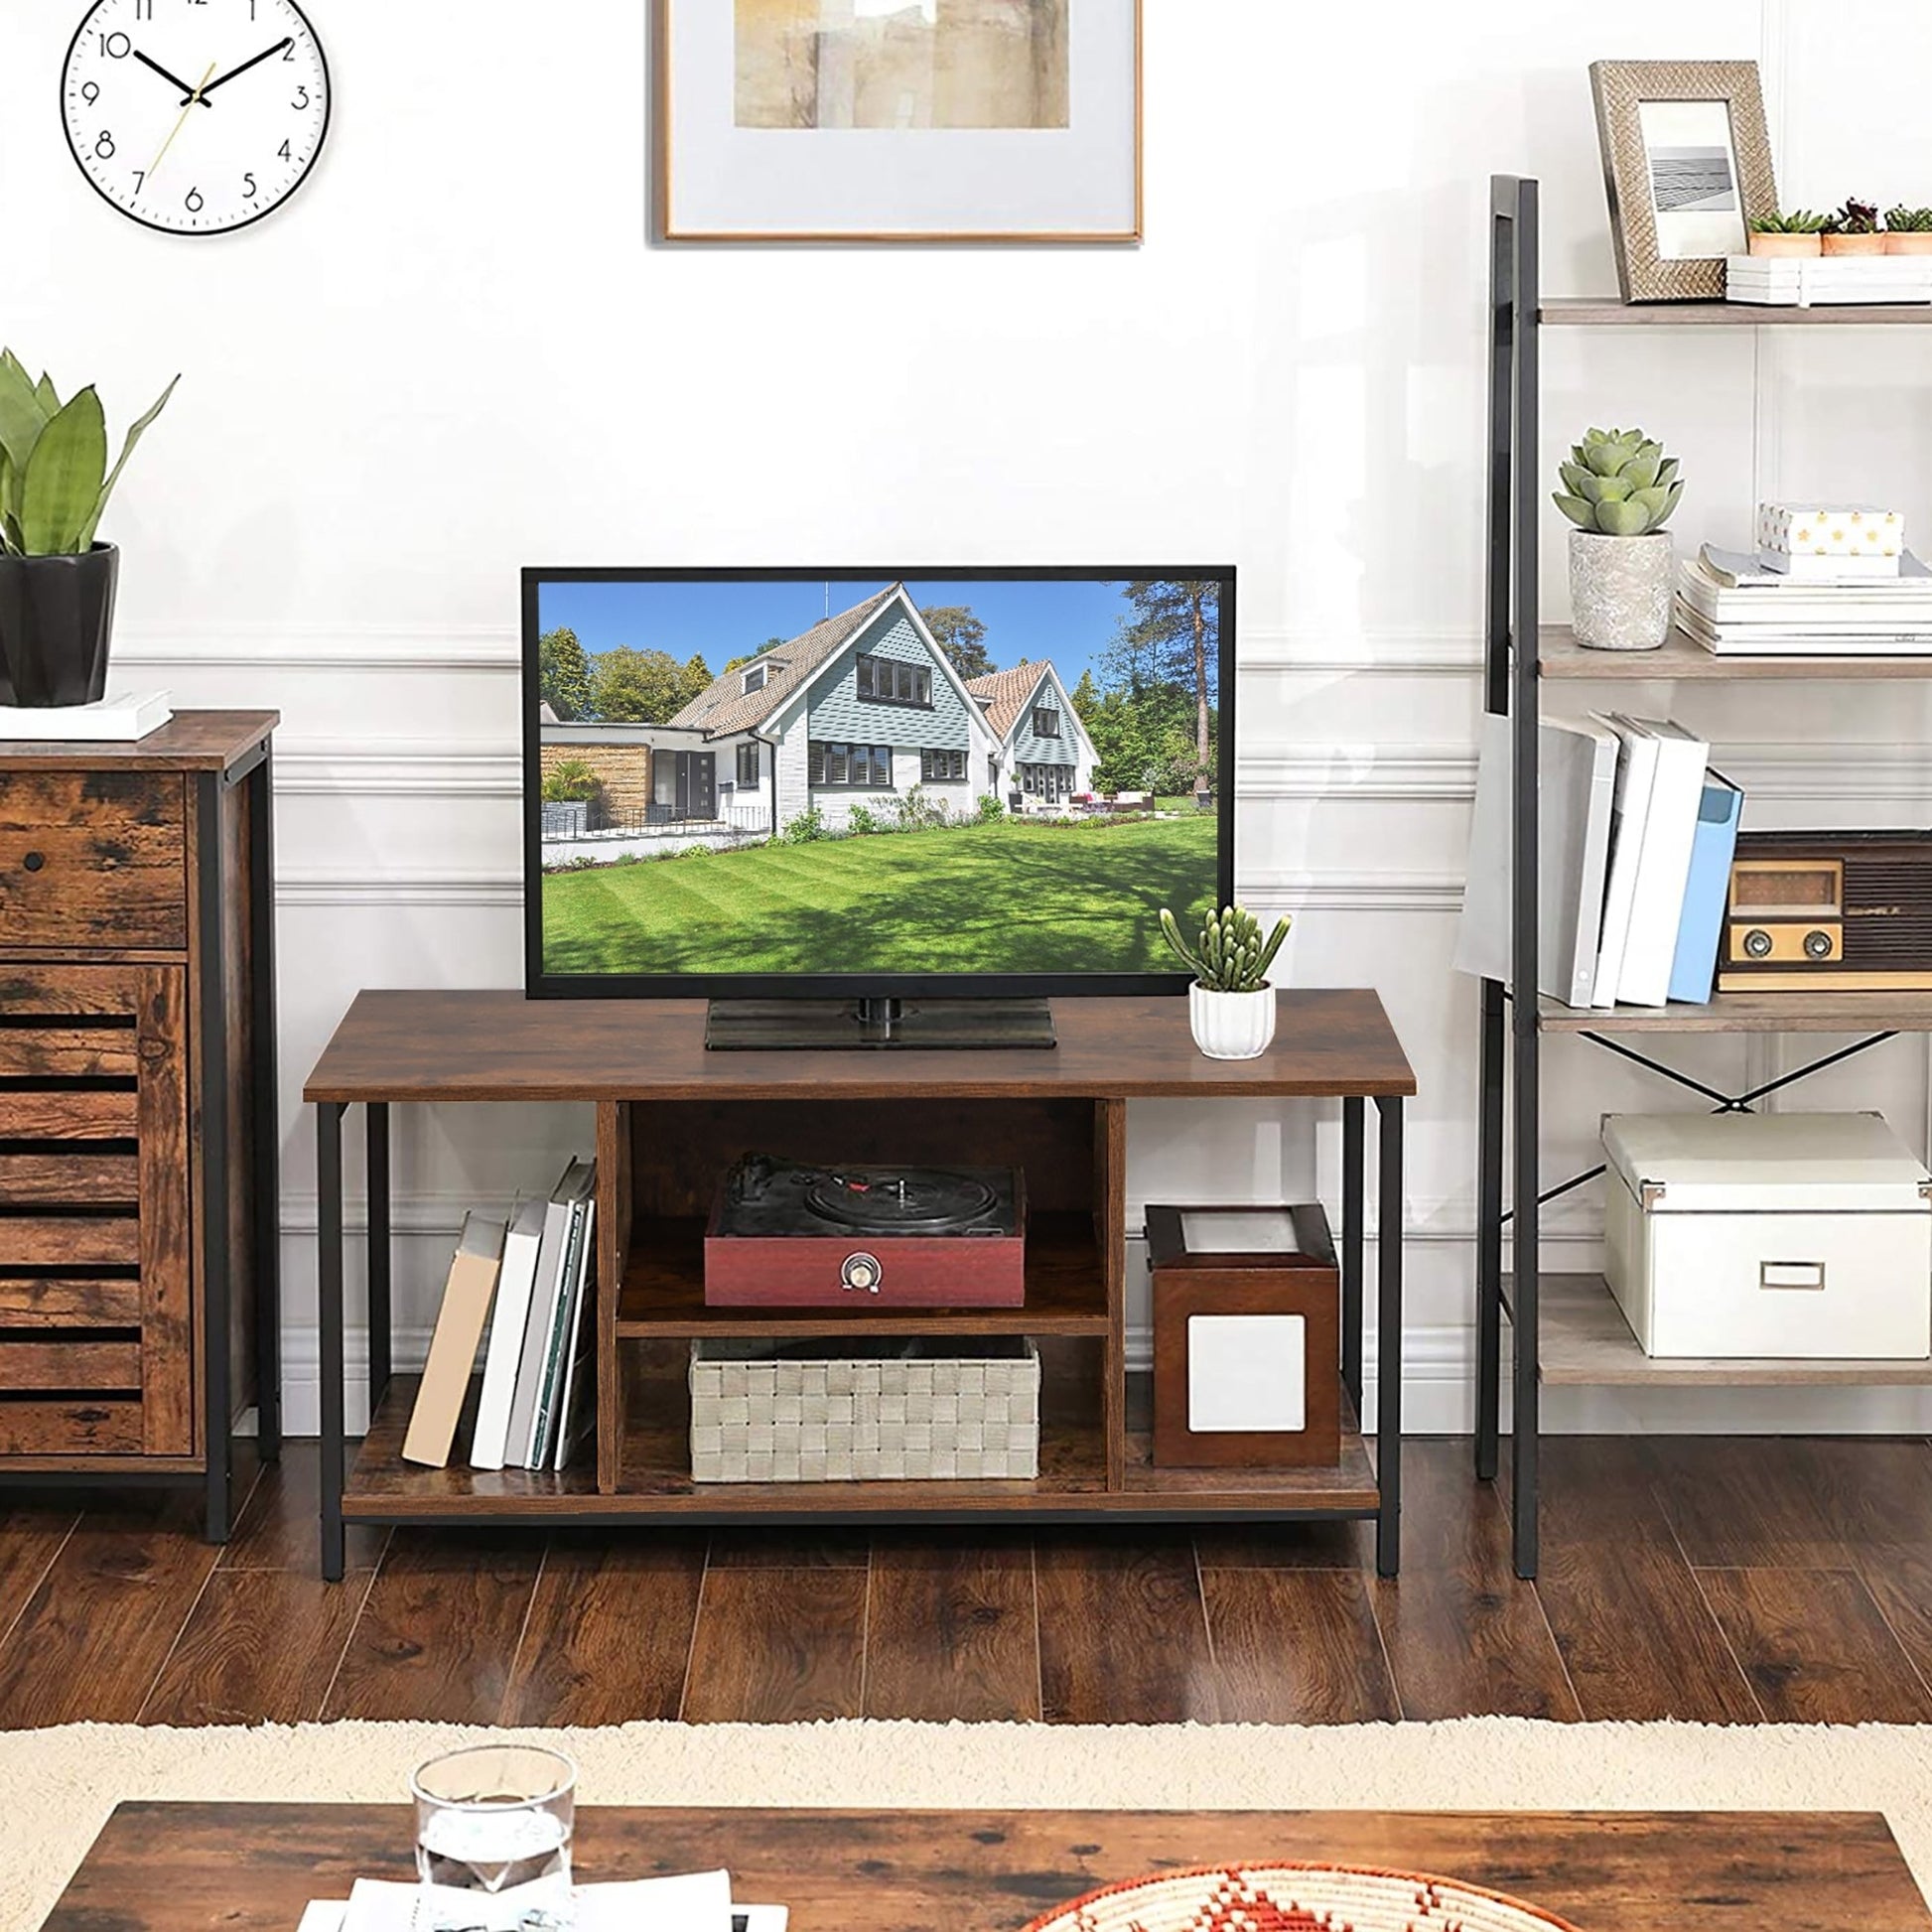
(1818, 945)
(861, 1274)
(1757, 943)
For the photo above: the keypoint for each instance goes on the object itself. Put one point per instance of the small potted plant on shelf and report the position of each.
(1619, 489)
(1801, 232)
(1908, 231)
(1854, 231)
(1231, 1004)
(56, 583)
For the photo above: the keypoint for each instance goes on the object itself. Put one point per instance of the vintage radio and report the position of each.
(1829, 912)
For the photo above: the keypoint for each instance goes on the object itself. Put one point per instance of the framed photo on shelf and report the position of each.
(898, 120)
(1687, 162)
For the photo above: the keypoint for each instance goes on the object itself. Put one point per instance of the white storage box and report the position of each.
(1795, 1236)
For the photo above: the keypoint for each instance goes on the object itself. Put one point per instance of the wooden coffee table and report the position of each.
(164, 1868)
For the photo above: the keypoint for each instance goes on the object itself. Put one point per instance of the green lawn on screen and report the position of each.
(983, 899)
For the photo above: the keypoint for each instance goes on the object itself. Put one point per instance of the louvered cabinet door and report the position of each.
(96, 1303)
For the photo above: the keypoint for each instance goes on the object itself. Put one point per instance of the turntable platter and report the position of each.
(925, 1200)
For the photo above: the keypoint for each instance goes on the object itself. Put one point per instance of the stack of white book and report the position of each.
(1735, 606)
(538, 1275)
(1636, 838)
(1810, 281)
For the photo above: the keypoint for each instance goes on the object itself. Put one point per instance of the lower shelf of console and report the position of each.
(657, 1481)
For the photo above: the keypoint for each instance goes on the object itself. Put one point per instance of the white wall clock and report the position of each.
(195, 116)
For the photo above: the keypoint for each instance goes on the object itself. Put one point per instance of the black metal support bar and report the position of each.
(1784, 1080)
(1489, 1235)
(329, 1230)
(1388, 1337)
(381, 1318)
(1352, 1110)
(211, 1131)
(1722, 1100)
(265, 1103)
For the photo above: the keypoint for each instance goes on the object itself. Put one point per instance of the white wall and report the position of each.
(454, 352)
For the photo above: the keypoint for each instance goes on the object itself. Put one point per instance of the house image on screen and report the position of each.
(857, 711)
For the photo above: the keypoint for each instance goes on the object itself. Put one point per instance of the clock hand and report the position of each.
(268, 54)
(172, 79)
(194, 96)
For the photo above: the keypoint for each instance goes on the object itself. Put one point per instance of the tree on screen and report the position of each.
(1173, 638)
(643, 687)
(962, 636)
(564, 673)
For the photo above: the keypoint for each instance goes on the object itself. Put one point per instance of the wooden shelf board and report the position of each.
(1751, 1013)
(1681, 659)
(1606, 312)
(1583, 1341)
(663, 1293)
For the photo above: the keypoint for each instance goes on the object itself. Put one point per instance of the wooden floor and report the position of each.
(1695, 1578)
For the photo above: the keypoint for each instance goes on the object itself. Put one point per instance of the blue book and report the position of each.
(1699, 931)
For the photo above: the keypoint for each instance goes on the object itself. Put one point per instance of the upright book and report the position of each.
(1694, 970)
(453, 1348)
(523, 1248)
(1664, 864)
(561, 1221)
(1636, 773)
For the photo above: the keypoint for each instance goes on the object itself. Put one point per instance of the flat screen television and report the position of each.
(879, 791)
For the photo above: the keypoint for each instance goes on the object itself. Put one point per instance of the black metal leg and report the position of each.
(1388, 1339)
(1489, 1237)
(328, 1199)
(1352, 1110)
(265, 1090)
(218, 1410)
(382, 1330)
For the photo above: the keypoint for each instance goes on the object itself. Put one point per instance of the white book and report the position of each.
(118, 720)
(563, 1341)
(521, 1249)
(1636, 772)
(540, 1368)
(571, 1396)
(536, 1329)
(1664, 867)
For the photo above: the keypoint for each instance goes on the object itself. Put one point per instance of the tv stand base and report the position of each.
(736, 1025)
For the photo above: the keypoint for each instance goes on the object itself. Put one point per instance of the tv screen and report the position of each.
(942, 782)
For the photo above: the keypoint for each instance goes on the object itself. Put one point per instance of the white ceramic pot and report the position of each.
(1620, 590)
(1231, 1026)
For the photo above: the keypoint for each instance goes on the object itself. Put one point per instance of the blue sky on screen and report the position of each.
(1069, 623)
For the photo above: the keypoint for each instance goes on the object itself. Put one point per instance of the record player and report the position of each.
(784, 1235)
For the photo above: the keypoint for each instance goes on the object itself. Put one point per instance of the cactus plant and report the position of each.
(1230, 955)
(1854, 218)
(1619, 484)
(1910, 221)
(1798, 222)
(54, 475)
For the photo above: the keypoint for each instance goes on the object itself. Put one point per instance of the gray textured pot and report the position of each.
(1620, 590)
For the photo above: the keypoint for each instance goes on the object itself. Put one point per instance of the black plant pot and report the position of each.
(57, 619)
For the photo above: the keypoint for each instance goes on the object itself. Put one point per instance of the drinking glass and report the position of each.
(491, 1817)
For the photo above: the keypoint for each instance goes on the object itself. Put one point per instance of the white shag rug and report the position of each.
(56, 1787)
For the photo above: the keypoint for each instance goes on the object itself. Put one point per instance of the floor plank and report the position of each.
(1464, 1634)
(951, 1631)
(1288, 1546)
(1634, 1632)
(262, 1647)
(276, 1526)
(31, 1537)
(1123, 1633)
(91, 1640)
(1330, 1671)
(781, 1549)
(438, 1634)
(609, 1637)
(779, 1646)
(1815, 1647)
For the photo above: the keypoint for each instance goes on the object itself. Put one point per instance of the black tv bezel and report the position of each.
(541, 985)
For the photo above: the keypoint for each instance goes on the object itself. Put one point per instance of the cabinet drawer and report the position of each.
(70, 1363)
(93, 858)
(66, 1426)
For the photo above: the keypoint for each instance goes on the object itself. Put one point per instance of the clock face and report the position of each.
(195, 116)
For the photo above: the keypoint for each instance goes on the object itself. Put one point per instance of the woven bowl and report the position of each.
(1296, 1899)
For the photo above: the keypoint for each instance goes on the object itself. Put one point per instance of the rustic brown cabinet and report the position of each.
(138, 1124)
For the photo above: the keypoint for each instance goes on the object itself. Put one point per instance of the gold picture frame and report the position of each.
(671, 227)
(1688, 167)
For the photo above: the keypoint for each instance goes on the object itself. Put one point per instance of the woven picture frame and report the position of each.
(1622, 87)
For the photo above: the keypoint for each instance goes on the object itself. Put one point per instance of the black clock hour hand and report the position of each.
(267, 53)
(172, 79)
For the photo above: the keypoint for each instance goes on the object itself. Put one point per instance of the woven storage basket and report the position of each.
(912, 1411)
(1296, 1899)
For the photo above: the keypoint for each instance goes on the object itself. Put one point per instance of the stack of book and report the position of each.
(1735, 606)
(530, 1283)
(1828, 281)
(1638, 838)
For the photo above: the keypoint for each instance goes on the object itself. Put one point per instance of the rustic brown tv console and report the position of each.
(671, 1117)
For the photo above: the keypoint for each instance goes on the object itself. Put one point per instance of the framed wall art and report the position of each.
(1687, 161)
(898, 120)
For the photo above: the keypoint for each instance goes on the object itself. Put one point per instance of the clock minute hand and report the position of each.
(267, 53)
(172, 79)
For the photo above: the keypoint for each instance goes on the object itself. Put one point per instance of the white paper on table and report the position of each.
(690, 1902)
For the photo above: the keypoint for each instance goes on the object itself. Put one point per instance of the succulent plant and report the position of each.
(54, 475)
(1619, 484)
(1230, 956)
(1798, 222)
(1910, 221)
(1854, 218)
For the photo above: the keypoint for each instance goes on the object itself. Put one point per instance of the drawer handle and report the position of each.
(1808, 1277)
(34, 861)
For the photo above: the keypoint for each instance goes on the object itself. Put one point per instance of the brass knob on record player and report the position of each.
(861, 1273)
